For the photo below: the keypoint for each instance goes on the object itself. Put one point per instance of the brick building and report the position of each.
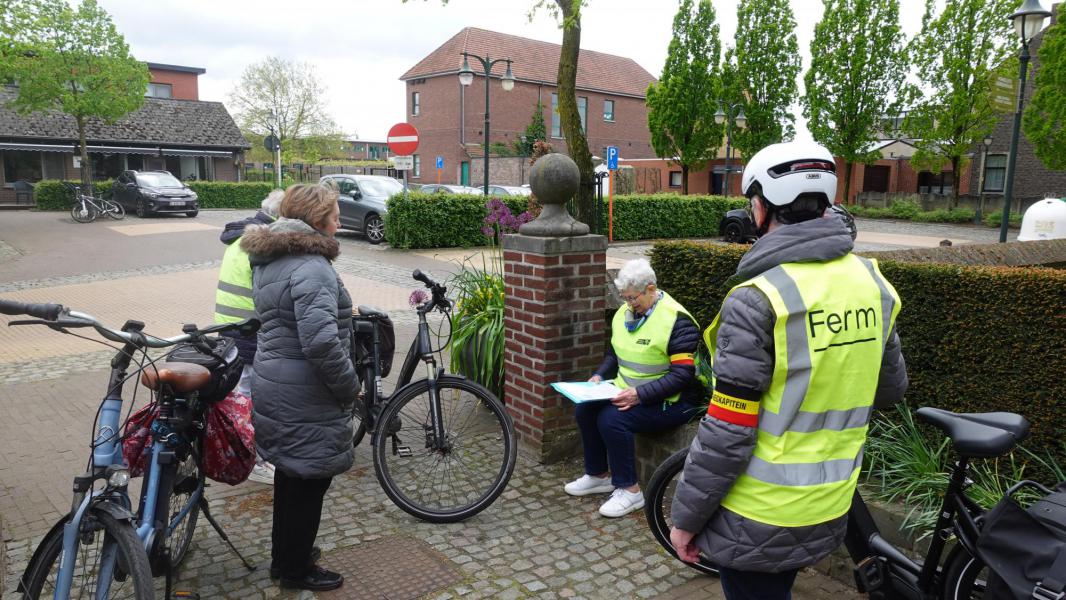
(357, 149)
(450, 117)
(174, 130)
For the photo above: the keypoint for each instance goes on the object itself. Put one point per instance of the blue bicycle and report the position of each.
(102, 548)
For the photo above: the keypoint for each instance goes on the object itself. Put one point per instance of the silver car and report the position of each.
(509, 190)
(363, 202)
(449, 188)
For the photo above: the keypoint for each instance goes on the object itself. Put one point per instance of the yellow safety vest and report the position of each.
(642, 354)
(832, 321)
(233, 298)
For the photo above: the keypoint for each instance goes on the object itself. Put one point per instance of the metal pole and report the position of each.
(981, 186)
(1008, 188)
(728, 143)
(488, 67)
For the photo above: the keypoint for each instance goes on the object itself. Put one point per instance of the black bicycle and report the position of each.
(449, 446)
(882, 570)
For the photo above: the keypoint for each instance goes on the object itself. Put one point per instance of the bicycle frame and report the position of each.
(872, 554)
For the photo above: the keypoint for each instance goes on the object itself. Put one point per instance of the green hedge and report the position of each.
(975, 338)
(51, 195)
(440, 220)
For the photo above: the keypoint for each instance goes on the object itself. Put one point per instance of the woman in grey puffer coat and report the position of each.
(303, 382)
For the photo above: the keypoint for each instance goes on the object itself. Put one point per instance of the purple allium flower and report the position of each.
(417, 298)
(488, 231)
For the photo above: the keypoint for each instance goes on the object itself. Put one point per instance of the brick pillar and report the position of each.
(554, 327)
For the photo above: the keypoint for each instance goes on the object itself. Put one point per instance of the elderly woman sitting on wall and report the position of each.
(653, 339)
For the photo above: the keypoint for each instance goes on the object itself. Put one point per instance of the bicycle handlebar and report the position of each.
(439, 292)
(58, 316)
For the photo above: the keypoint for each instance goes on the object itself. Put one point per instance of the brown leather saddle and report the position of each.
(181, 377)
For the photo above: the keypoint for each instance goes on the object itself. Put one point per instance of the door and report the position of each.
(464, 173)
(351, 211)
(875, 179)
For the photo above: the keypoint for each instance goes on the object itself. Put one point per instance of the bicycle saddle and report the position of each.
(978, 435)
(372, 312)
(182, 377)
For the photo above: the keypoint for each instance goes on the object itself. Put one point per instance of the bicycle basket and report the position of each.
(223, 362)
(229, 442)
(363, 342)
(1025, 549)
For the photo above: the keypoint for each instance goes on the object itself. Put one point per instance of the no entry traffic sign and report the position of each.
(403, 139)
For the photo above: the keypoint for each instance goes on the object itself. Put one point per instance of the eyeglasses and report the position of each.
(631, 298)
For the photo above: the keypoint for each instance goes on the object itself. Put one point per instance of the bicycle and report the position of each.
(450, 447)
(882, 570)
(86, 208)
(102, 547)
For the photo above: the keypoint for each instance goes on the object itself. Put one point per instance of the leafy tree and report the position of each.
(69, 59)
(284, 96)
(857, 67)
(1044, 121)
(957, 56)
(681, 104)
(761, 71)
(568, 13)
(536, 130)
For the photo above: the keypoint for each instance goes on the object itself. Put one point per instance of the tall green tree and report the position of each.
(957, 57)
(283, 96)
(857, 68)
(70, 59)
(761, 72)
(1044, 121)
(536, 130)
(681, 104)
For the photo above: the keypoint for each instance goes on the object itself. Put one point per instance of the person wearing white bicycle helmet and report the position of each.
(803, 350)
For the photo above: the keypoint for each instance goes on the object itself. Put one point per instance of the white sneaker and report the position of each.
(587, 484)
(622, 503)
(262, 473)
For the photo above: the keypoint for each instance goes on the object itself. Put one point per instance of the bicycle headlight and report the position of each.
(118, 476)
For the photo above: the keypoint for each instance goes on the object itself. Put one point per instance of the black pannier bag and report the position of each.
(1025, 549)
(363, 343)
(223, 362)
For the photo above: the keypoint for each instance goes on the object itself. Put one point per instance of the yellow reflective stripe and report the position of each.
(748, 407)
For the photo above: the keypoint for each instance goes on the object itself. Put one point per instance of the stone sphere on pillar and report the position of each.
(554, 179)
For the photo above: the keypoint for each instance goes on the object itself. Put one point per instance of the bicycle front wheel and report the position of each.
(659, 495)
(114, 210)
(109, 562)
(83, 213)
(449, 480)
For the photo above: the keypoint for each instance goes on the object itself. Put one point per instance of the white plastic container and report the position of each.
(1045, 220)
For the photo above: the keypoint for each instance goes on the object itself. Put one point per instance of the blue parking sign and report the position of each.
(440, 162)
(612, 157)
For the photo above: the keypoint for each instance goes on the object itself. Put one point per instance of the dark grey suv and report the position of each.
(150, 192)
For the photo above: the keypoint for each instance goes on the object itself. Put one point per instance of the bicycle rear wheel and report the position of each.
(659, 495)
(187, 480)
(83, 213)
(108, 556)
(458, 480)
(965, 576)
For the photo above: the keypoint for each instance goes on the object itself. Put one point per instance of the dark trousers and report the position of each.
(297, 513)
(607, 435)
(749, 585)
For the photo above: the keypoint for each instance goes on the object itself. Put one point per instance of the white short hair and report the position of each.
(272, 202)
(635, 274)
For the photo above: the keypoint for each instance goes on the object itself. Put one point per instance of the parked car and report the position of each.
(448, 188)
(363, 201)
(151, 192)
(509, 190)
(736, 226)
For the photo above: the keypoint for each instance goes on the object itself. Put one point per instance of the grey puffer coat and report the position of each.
(304, 383)
(744, 363)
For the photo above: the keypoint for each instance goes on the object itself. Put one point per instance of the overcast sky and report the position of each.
(359, 48)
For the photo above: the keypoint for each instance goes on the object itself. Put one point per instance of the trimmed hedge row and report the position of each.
(975, 338)
(51, 195)
(441, 220)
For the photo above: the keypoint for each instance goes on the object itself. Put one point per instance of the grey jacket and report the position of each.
(303, 384)
(744, 360)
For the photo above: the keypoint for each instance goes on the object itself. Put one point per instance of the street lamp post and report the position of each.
(1028, 20)
(466, 77)
(735, 113)
(977, 217)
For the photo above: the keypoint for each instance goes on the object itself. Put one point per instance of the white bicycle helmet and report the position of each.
(781, 173)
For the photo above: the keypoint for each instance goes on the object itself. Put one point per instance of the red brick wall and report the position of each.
(439, 121)
(699, 182)
(184, 86)
(902, 177)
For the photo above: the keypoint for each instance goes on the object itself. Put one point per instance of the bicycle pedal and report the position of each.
(404, 451)
(870, 574)
(187, 595)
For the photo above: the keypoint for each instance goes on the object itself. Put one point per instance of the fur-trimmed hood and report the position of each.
(286, 237)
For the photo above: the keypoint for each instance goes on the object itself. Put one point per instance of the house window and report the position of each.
(110, 166)
(415, 103)
(20, 165)
(582, 111)
(995, 172)
(608, 110)
(418, 166)
(675, 179)
(373, 152)
(557, 129)
(160, 90)
(934, 183)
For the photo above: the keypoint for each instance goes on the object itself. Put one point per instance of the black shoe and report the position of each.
(316, 580)
(316, 553)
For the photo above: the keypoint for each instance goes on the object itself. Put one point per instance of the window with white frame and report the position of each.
(417, 166)
(557, 126)
(608, 110)
(583, 111)
(675, 179)
(160, 90)
(995, 172)
(416, 103)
